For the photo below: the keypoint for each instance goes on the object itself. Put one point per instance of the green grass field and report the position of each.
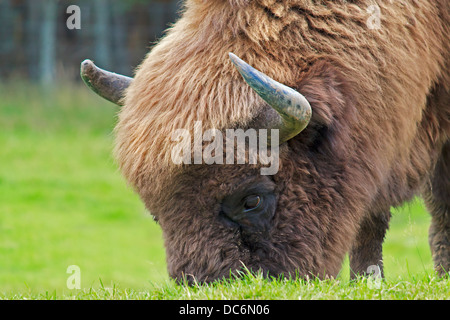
(63, 202)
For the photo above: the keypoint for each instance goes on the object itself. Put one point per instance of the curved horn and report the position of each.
(108, 85)
(292, 107)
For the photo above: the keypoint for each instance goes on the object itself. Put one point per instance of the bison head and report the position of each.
(217, 217)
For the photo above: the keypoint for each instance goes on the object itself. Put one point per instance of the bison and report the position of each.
(359, 92)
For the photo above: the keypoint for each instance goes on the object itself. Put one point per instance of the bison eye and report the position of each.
(251, 202)
(251, 206)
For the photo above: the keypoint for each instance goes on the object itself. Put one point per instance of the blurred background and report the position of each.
(37, 44)
(62, 200)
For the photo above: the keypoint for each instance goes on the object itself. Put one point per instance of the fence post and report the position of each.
(48, 42)
(102, 33)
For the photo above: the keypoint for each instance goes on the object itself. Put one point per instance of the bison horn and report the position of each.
(292, 107)
(108, 85)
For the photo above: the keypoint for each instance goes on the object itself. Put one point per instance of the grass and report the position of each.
(255, 287)
(63, 202)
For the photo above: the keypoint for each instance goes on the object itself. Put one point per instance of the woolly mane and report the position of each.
(188, 77)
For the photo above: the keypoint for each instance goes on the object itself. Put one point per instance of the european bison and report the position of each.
(375, 75)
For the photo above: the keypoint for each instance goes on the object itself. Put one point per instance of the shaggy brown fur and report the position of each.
(379, 132)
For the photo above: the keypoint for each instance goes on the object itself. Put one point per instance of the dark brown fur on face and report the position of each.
(379, 133)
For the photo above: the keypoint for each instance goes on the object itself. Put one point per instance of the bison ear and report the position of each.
(292, 108)
(108, 85)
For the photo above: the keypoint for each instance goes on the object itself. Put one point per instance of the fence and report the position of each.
(36, 42)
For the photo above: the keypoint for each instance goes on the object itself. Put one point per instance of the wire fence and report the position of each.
(43, 40)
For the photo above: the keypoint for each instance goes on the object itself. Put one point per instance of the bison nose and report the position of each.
(261, 253)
